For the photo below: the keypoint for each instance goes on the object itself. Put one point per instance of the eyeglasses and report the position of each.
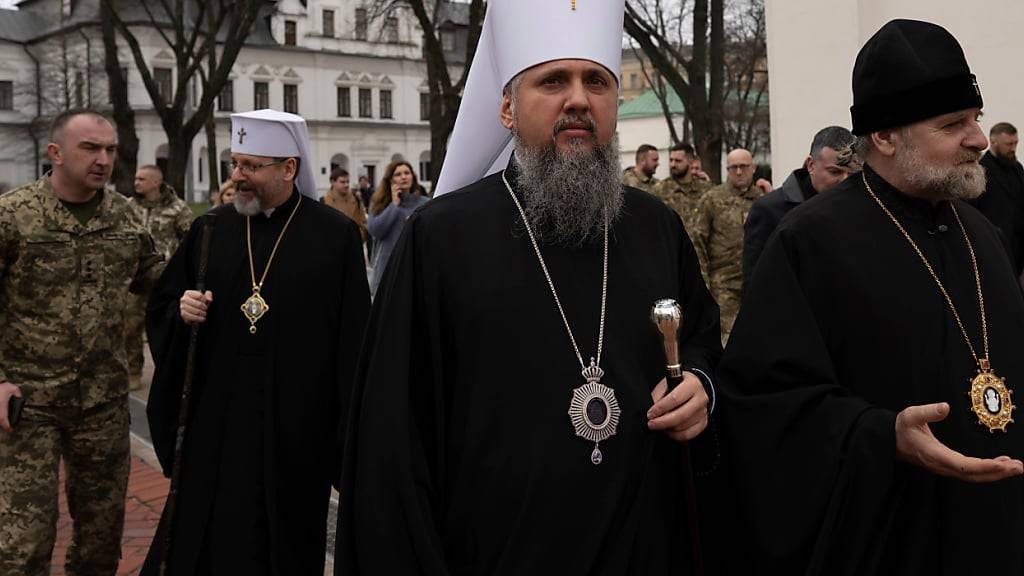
(250, 169)
(739, 167)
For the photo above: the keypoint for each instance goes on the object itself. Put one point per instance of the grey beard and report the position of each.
(568, 197)
(950, 183)
(247, 207)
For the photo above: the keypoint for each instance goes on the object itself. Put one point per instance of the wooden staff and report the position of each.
(185, 406)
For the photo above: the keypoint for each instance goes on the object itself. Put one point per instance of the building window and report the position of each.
(365, 103)
(291, 98)
(260, 96)
(329, 23)
(6, 95)
(424, 105)
(425, 171)
(448, 40)
(385, 104)
(65, 8)
(391, 30)
(361, 23)
(226, 99)
(290, 33)
(162, 77)
(344, 102)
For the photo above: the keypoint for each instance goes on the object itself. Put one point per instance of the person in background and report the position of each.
(398, 194)
(830, 161)
(344, 199)
(641, 175)
(167, 218)
(718, 233)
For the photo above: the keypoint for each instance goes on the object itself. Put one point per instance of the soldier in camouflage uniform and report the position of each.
(718, 234)
(683, 190)
(167, 218)
(69, 254)
(642, 175)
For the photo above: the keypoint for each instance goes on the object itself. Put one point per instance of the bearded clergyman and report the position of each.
(871, 373)
(280, 325)
(510, 413)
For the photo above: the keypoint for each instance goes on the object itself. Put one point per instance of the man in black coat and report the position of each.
(1003, 200)
(830, 161)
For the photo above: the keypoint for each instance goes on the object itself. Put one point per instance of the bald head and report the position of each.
(740, 166)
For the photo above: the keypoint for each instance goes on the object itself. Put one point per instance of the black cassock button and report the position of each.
(943, 228)
(597, 411)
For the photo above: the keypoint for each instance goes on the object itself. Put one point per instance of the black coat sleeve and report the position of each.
(168, 339)
(761, 222)
(814, 469)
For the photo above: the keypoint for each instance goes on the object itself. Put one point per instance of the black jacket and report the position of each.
(765, 214)
(1003, 203)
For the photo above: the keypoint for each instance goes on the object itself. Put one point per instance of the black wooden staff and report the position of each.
(667, 317)
(185, 407)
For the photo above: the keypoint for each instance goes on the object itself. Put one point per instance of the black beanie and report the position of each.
(907, 72)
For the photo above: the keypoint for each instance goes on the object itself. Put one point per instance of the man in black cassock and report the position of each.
(869, 427)
(1003, 199)
(272, 381)
(462, 456)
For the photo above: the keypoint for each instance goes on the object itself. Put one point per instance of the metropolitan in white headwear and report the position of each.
(510, 413)
(279, 322)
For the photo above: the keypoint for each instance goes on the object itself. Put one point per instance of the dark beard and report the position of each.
(568, 197)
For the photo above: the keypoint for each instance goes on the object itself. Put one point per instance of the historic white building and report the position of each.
(812, 47)
(359, 81)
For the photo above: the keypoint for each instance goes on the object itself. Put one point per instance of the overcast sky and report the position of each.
(7, 3)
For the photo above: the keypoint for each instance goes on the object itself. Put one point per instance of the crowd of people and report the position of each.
(493, 397)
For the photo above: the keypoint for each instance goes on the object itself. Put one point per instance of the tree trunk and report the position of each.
(211, 156)
(124, 116)
(716, 98)
(179, 147)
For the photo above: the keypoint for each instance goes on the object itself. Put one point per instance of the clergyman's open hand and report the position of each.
(916, 445)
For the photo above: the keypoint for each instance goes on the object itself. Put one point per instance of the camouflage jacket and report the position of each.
(167, 220)
(683, 195)
(718, 234)
(630, 177)
(63, 290)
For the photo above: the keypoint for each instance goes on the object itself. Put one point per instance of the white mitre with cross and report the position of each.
(516, 35)
(276, 135)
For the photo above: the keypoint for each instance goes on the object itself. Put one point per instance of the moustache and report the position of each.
(573, 123)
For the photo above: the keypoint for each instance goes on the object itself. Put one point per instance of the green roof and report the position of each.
(647, 105)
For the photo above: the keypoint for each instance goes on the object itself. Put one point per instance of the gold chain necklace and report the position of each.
(255, 306)
(990, 399)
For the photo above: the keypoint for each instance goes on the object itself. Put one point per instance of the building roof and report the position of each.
(26, 25)
(647, 105)
(20, 26)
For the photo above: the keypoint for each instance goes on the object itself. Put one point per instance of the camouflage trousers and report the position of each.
(95, 447)
(134, 331)
(729, 307)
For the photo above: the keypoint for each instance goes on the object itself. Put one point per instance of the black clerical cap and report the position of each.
(907, 72)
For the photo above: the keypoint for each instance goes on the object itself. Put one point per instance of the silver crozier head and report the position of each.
(667, 317)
